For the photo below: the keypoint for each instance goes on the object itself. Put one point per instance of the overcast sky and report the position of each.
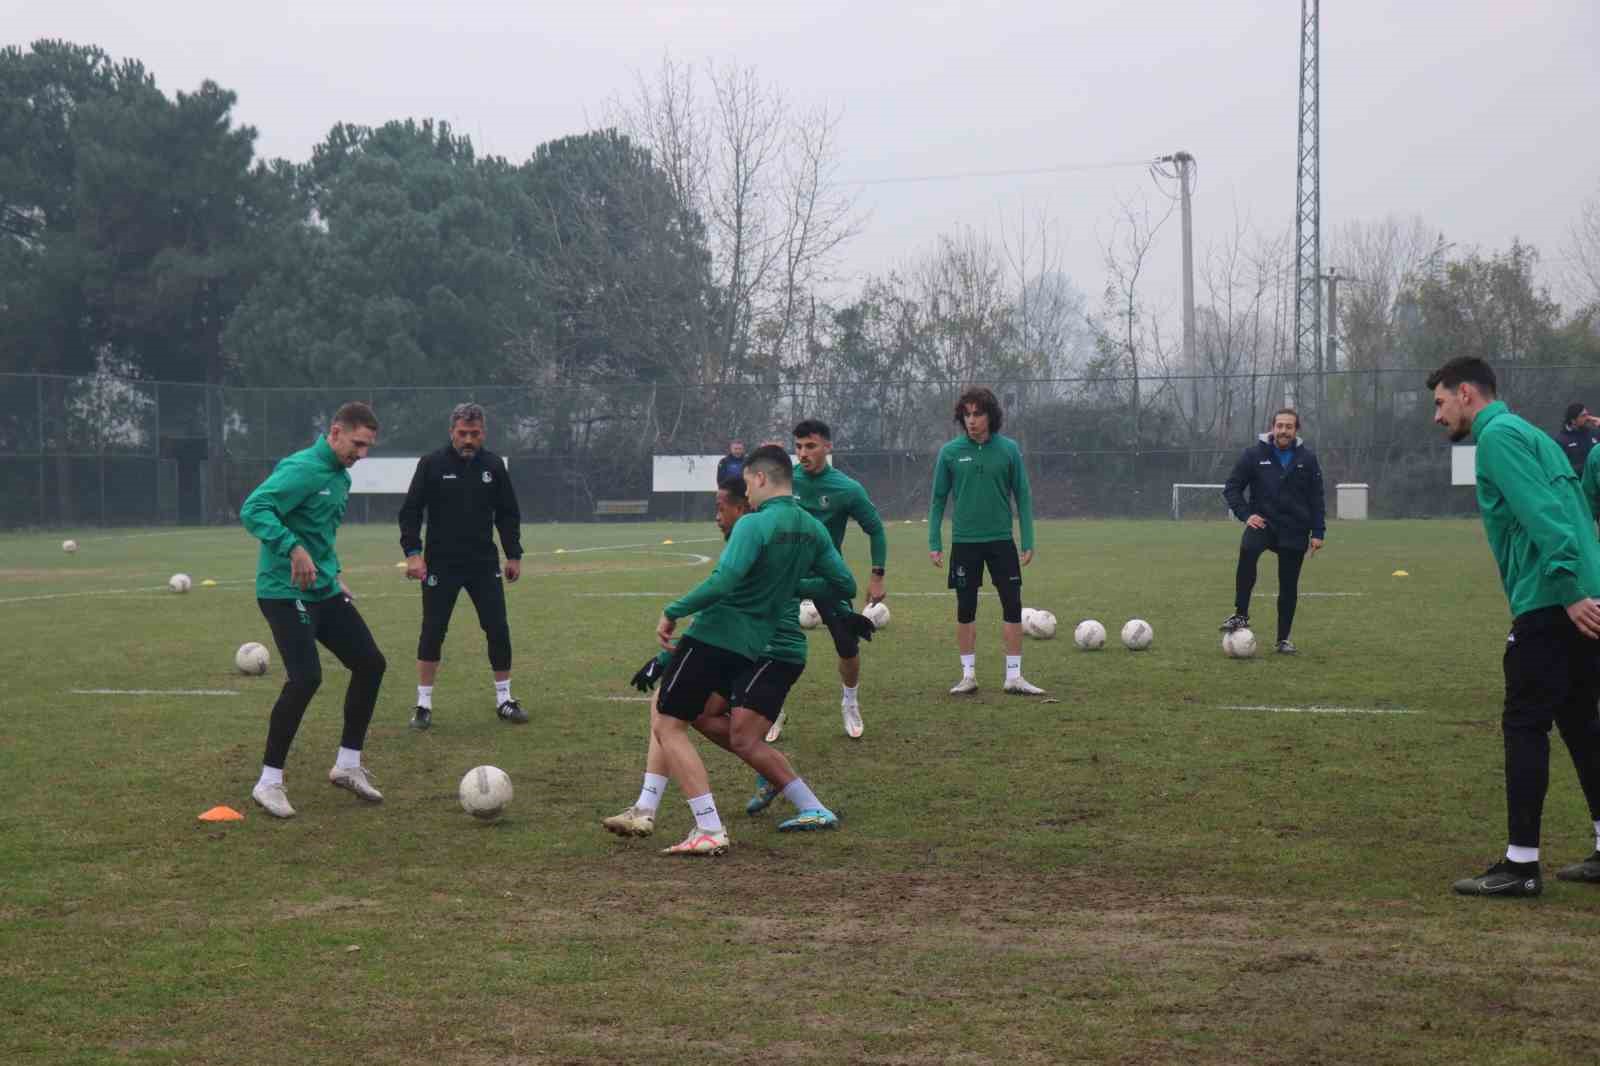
(1477, 115)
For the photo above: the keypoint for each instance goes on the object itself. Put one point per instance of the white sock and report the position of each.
(1013, 666)
(799, 793)
(347, 759)
(425, 696)
(1516, 854)
(655, 786)
(969, 664)
(271, 775)
(850, 693)
(502, 691)
(706, 818)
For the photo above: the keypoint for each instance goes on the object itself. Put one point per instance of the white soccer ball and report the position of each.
(251, 658)
(877, 614)
(485, 792)
(1137, 634)
(69, 546)
(1239, 644)
(810, 618)
(1027, 616)
(1090, 635)
(1041, 625)
(179, 583)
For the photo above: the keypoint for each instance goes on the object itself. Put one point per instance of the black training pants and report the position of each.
(298, 626)
(1251, 545)
(1552, 678)
(488, 595)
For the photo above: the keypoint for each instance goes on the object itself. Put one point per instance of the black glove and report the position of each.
(859, 624)
(650, 673)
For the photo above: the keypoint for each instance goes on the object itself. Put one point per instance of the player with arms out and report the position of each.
(295, 514)
(464, 494)
(985, 472)
(737, 611)
(834, 498)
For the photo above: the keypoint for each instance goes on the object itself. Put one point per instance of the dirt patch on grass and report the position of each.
(327, 905)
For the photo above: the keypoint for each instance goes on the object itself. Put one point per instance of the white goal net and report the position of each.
(1197, 501)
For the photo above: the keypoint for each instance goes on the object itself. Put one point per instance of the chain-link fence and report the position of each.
(114, 451)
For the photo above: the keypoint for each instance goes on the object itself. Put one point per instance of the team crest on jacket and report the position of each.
(486, 478)
(822, 501)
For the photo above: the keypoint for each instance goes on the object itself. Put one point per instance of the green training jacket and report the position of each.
(1539, 527)
(772, 549)
(833, 498)
(300, 504)
(985, 478)
(1591, 480)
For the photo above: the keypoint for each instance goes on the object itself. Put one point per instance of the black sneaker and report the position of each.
(422, 718)
(1286, 647)
(1504, 878)
(511, 711)
(1235, 621)
(1587, 870)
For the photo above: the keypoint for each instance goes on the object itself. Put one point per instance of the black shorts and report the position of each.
(765, 686)
(696, 672)
(845, 640)
(967, 563)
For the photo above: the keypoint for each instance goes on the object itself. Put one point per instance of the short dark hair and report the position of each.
(1574, 409)
(1287, 411)
(465, 412)
(984, 399)
(773, 461)
(1464, 369)
(354, 415)
(813, 427)
(735, 488)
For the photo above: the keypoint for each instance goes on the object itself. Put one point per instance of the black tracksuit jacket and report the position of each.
(1290, 500)
(464, 501)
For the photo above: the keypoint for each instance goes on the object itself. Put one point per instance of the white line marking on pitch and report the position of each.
(1317, 710)
(153, 692)
(621, 699)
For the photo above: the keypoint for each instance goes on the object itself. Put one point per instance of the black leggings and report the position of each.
(439, 592)
(1254, 542)
(298, 627)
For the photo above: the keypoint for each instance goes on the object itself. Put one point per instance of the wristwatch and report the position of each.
(877, 571)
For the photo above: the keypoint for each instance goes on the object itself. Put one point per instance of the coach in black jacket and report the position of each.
(463, 491)
(1276, 491)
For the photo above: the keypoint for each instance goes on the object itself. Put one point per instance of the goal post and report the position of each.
(1191, 494)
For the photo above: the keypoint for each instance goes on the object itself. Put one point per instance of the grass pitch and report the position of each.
(1185, 858)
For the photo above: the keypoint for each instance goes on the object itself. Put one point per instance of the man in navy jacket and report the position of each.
(1275, 489)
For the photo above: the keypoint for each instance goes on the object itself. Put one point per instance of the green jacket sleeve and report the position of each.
(840, 583)
(1529, 491)
(744, 547)
(1591, 481)
(871, 523)
(262, 512)
(941, 492)
(1024, 496)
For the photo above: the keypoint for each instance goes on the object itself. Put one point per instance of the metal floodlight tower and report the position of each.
(1308, 209)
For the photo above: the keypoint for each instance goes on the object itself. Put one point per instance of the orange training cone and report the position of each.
(221, 814)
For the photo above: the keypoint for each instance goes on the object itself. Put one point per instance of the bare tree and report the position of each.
(1128, 331)
(1583, 255)
(1379, 259)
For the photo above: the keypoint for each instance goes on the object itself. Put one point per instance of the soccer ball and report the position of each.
(810, 618)
(877, 614)
(1027, 616)
(69, 546)
(1040, 625)
(1239, 644)
(179, 583)
(485, 792)
(251, 658)
(1090, 635)
(1137, 634)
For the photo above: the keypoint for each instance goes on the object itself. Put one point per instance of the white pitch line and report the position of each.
(621, 699)
(153, 692)
(1317, 710)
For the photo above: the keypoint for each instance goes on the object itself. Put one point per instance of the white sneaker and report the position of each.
(633, 822)
(357, 780)
(273, 800)
(1019, 686)
(776, 730)
(851, 712)
(965, 687)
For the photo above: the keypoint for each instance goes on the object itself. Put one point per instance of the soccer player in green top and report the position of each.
(737, 611)
(1541, 534)
(295, 514)
(834, 498)
(985, 471)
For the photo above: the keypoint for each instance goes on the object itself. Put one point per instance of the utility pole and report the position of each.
(1185, 164)
(1308, 206)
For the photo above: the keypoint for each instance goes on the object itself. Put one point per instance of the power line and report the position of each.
(969, 174)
